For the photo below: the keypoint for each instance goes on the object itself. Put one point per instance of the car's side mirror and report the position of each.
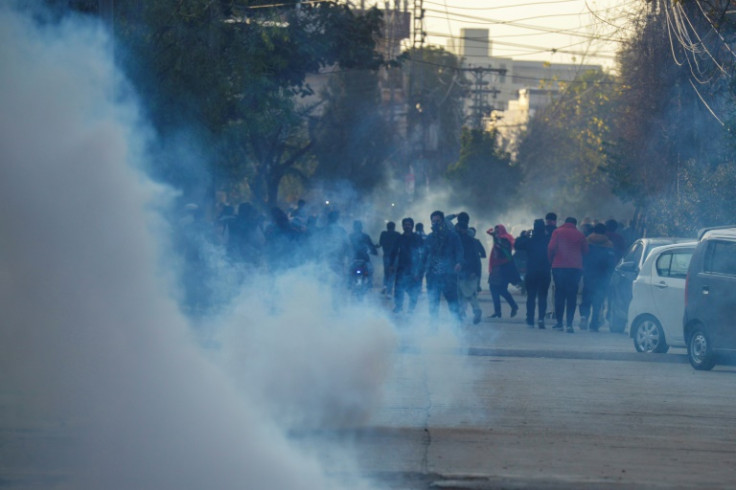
(627, 267)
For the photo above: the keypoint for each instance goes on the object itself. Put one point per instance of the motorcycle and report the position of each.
(361, 278)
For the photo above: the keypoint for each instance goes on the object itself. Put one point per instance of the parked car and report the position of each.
(658, 298)
(623, 276)
(709, 322)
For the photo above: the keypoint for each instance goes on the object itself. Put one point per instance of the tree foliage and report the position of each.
(354, 139)
(483, 177)
(668, 142)
(436, 89)
(228, 77)
(563, 151)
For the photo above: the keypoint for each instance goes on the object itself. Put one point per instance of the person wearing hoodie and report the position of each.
(501, 270)
(565, 251)
(598, 266)
(538, 274)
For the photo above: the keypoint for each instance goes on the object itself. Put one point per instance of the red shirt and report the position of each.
(567, 247)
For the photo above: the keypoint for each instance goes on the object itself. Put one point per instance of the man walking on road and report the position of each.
(443, 261)
(387, 242)
(566, 249)
(406, 262)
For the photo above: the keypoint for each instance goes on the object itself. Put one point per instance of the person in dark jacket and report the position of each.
(387, 241)
(598, 266)
(467, 282)
(502, 270)
(618, 242)
(405, 260)
(550, 223)
(444, 258)
(565, 250)
(538, 273)
(481, 250)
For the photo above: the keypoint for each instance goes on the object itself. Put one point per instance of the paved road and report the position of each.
(504, 406)
(513, 407)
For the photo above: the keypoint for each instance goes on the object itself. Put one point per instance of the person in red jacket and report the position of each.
(566, 249)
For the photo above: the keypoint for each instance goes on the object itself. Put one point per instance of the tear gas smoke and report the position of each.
(90, 343)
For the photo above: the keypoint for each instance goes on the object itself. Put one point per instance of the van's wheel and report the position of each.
(648, 335)
(699, 351)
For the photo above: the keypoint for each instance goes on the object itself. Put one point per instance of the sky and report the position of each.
(579, 31)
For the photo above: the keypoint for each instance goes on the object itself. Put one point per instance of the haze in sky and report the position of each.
(557, 31)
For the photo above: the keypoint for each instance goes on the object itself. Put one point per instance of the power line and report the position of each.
(501, 7)
(511, 23)
(537, 49)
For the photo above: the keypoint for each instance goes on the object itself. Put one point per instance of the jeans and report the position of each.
(594, 294)
(567, 282)
(499, 290)
(406, 283)
(442, 285)
(537, 287)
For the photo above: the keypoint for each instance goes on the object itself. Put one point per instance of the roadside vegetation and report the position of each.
(226, 87)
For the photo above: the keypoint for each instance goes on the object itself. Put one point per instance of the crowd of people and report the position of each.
(447, 261)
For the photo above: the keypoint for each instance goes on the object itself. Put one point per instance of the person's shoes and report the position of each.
(558, 326)
(530, 323)
(514, 311)
(397, 309)
(583, 323)
(496, 315)
(570, 330)
(540, 324)
(476, 317)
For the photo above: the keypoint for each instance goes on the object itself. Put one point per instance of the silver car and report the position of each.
(658, 298)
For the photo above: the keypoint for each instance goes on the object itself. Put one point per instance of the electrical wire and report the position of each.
(535, 49)
(501, 7)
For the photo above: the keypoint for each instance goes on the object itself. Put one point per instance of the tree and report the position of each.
(668, 143)
(228, 76)
(435, 96)
(352, 134)
(563, 152)
(483, 177)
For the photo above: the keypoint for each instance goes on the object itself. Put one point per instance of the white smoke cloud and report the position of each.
(311, 358)
(89, 340)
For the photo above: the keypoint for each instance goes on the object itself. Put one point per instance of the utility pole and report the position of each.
(418, 33)
(416, 136)
(479, 93)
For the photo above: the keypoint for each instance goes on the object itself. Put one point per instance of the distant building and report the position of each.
(510, 98)
(512, 122)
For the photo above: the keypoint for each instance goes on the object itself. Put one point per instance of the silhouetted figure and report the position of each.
(618, 241)
(550, 223)
(598, 266)
(362, 246)
(443, 261)
(419, 230)
(406, 260)
(566, 249)
(538, 272)
(387, 241)
(502, 270)
(481, 250)
(469, 274)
